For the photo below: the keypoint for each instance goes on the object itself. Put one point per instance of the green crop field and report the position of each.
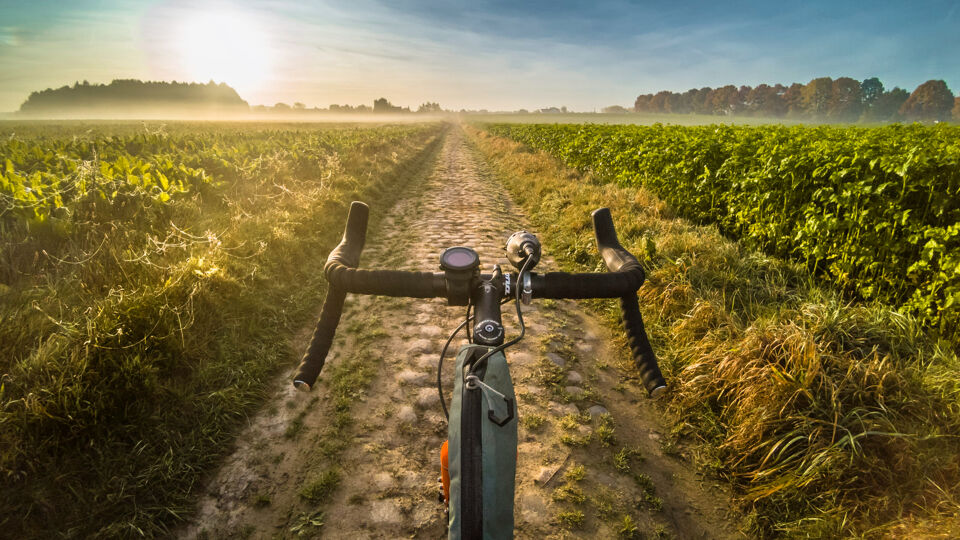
(874, 210)
(150, 280)
(803, 297)
(831, 414)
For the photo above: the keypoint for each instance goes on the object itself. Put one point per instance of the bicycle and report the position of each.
(478, 460)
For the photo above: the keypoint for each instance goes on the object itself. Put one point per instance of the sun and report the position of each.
(225, 46)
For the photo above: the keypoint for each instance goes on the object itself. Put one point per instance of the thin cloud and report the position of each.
(497, 54)
(371, 54)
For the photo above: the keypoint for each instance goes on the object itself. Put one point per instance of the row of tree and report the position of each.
(132, 93)
(380, 105)
(842, 100)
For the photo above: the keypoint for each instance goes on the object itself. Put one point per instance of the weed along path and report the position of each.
(359, 456)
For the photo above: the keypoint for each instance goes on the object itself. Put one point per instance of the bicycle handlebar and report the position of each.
(625, 278)
(620, 260)
(347, 255)
(614, 255)
(351, 245)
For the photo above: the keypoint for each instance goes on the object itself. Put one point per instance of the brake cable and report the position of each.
(469, 305)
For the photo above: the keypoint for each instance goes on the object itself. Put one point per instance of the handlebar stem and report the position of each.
(487, 294)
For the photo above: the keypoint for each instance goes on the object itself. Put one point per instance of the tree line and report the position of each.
(380, 105)
(131, 93)
(841, 100)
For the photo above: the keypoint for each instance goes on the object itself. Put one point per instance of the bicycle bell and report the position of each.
(520, 246)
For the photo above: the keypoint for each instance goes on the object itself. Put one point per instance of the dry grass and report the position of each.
(828, 419)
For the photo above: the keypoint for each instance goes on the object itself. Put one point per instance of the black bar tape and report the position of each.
(312, 362)
(564, 285)
(619, 260)
(348, 250)
(346, 253)
(643, 356)
(386, 282)
(614, 255)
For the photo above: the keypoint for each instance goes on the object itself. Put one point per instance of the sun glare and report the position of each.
(224, 46)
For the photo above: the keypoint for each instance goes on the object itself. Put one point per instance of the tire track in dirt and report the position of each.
(592, 458)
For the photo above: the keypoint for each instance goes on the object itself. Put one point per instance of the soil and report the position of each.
(595, 457)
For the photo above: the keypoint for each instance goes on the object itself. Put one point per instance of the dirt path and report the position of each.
(359, 457)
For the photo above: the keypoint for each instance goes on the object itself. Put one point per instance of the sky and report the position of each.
(481, 54)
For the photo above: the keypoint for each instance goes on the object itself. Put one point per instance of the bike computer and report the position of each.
(459, 259)
(460, 266)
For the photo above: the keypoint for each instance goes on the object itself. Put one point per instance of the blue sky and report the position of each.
(480, 54)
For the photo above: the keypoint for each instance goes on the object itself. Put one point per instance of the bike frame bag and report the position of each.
(482, 448)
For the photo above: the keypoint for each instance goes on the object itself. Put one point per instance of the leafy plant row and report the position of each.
(830, 419)
(875, 210)
(50, 177)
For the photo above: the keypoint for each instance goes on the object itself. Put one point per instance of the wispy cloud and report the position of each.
(493, 53)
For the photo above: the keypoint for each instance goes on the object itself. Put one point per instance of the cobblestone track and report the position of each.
(389, 470)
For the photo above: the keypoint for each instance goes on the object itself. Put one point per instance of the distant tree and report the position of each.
(766, 100)
(642, 103)
(679, 103)
(349, 108)
(846, 100)
(780, 107)
(700, 100)
(793, 99)
(381, 105)
(956, 108)
(886, 108)
(687, 100)
(725, 100)
(754, 98)
(660, 102)
(816, 96)
(931, 100)
(430, 107)
(281, 107)
(614, 109)
(872, 89)
(743, 94)
(133, 94)
(299, 106)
